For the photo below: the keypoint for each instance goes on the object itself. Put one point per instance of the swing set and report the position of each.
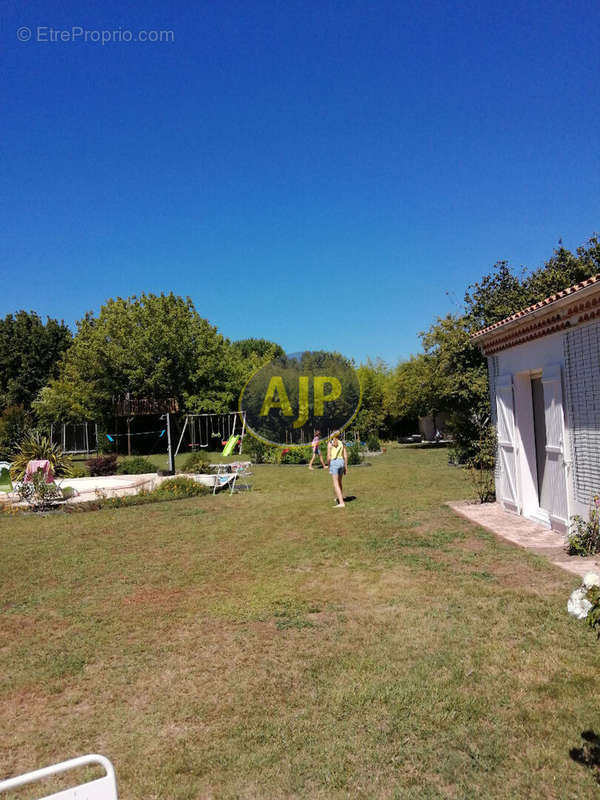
(215, 430)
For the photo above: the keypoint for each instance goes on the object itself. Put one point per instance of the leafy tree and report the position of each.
(502, 292)
(262, 348)
(249, 355)
(29, 354)
(14, 423)
(451, 374)
(412, 389)
(154, 346)
(372, 417)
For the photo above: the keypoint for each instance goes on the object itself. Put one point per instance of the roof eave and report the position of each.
(557, 310)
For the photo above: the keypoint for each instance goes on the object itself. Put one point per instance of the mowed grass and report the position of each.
(267, 645)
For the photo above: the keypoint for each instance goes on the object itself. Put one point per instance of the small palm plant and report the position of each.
(37, 446)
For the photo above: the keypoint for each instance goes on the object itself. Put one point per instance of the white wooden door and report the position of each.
(507, 486)
(554, 492)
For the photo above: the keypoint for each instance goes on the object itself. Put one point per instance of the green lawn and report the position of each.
(268, 645)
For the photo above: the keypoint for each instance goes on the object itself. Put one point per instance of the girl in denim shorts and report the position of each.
(337, 460)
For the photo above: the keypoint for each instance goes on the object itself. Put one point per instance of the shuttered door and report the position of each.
(507, 485)
(554, 491)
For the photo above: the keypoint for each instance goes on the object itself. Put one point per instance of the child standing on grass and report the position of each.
(337, 458)
(315, 449)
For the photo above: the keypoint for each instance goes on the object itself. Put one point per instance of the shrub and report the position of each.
(103, 444)
(260, 452)
(39, 495)
(354, 454)
(584, 536)
(38, 447)
(584, 602)
(78, 471)
(197, 462)
(138, 465)
(296, 455)
(102, 465)
(175, 488)
(481, 463)
(172, 489)
(373, 443)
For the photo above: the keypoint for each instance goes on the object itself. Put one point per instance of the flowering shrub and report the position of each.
(584, 537)
(176, 488)
(584, 602)
(39, 495)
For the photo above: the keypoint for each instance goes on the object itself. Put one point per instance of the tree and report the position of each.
(29, 354)
(412, 390)
(262, 348)
(151, 346)
(14, 423)
(372, 418)
(451, 374)
(248, 356)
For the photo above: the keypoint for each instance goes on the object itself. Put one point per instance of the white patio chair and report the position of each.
(99, 789)
(228, 474)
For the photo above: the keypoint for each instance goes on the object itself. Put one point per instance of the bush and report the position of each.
(197, 462)
(38, 447)
(481, 464)
(584, 537)
(102, 465)
(103, 444)
(260, 452)
(138, 465)
(296, 455)
(39, 495)
(79, 472)
(373, 443)
(175, 488)
(354, 454)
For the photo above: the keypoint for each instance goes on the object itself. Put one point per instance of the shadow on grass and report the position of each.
(350, 498)
(589, 754)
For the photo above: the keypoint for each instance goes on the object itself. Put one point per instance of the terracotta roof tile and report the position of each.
(541, 304)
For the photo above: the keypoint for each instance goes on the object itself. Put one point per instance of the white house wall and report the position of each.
(532, 355)
(519, 363)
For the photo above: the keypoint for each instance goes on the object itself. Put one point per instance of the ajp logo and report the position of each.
(286, 400)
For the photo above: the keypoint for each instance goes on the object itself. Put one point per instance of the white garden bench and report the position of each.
(99, 789)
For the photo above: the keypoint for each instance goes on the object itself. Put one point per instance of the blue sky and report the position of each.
(323, 174)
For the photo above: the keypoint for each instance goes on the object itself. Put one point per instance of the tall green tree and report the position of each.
(451, 374)
(248, 356)
(151, 346)
(30, 351)
(372, 416)
(413, 389)
(263, 349)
